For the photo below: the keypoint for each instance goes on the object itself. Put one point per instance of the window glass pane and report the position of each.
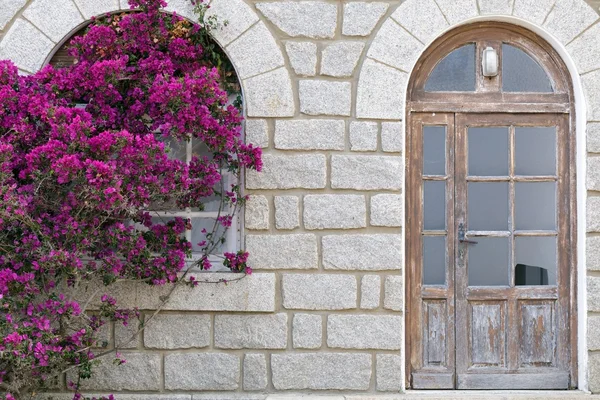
(176, 149)
(198, 224)
(434, 150)
(535, 261)
(521, 73)
(535, 205)
(535, 150)
(455, 73)
(488, 206)
(488, 262)
(434, 260)
(434, 205)
(488, 151)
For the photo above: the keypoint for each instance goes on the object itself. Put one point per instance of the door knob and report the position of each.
(461, 235)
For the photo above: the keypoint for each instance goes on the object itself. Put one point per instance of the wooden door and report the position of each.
(488, 253)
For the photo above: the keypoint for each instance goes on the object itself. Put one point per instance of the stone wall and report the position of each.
(324, 89)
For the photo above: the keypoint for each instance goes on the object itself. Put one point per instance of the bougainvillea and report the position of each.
(83, 164)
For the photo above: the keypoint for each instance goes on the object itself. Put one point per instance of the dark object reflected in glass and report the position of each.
(529, 275)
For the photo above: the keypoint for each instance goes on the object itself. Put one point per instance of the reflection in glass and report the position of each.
(535, 205)
(488, 151)
(455, 73)
(434, 150)
(535, 150)
(176, 149)
(521, 73)
(198, 224)
(488, 206)
(434, 260)
(488, 261)
(434, 205)
(535, 259)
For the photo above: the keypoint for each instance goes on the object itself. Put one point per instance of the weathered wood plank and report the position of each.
(555, 380)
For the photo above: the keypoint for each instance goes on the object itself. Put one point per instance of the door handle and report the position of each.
(461, 235)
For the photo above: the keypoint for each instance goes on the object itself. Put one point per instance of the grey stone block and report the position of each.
(321, 371)
(394, 46)
(303, 57)
(56, 18)
(534, 11)
(363, 136)
(394, 290)
(237, 13)
(593, 332)
(569, 18)
(8, 10)
(585, 50)
(593, 137)
(251, 331)
(389, 373)
(314, 19)
(269, 94)
(305, 171)
(250, 293)
(422, 18)
(593, 253)
(93, 8)
(386, 210)
(457, 11)
(381, 332)
(380, 92)
(334, 211)
(502, 7)
(366, 172)
(287, 215)
(361, 17)
(202, 371)
(255, 52)
(319, 292)
(309, 134)
(24, 45)
(307, 331)
(320, 97)
(177, 331)
(257, 132)
(298, 251)
(255, 372)
(391, 137)
(339, 59)
(593, 214)
(141, 371)
(376, 252)
(370, 292)
(256, 213)
(593, 293)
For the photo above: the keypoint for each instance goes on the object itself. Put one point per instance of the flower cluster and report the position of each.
(83, 162)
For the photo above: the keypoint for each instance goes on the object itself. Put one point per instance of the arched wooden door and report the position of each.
(490, 215)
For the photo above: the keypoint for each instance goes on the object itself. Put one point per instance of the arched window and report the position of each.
(200, 219)
(490, 205)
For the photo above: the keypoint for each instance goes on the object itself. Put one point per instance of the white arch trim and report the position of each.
(383, 84)
(39, 30)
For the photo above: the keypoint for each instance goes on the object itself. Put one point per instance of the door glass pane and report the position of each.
(434, 260)
(535, 150)
(455, 73)
(488, 151)
(488, 261)
(434, 150)
(488, 206)
(535, 261)
(535, 205)
(434, 207)
(521, 73)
